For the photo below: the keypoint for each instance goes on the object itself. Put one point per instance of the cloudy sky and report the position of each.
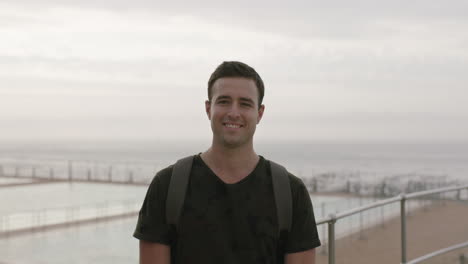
(333, 70)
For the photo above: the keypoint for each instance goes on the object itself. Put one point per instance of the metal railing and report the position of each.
(402, 198)
(84, 170)
(438, 252)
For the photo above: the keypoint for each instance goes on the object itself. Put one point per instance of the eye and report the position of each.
(246, 104)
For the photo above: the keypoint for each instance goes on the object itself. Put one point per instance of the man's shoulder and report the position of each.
(163, 176)
(166, 172)
(295, 182)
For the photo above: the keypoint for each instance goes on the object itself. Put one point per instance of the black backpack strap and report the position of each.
(177, 189)
(283, 196)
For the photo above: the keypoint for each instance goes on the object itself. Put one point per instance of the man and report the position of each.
(229, 213)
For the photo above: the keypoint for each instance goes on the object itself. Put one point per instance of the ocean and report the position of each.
(361, 161)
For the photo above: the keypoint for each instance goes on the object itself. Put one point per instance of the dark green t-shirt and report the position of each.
(227, 223)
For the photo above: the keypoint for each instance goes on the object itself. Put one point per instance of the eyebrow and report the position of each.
(242, 99)
(245, 99)
(222, 97)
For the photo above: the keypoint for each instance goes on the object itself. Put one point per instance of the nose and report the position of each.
(234, 111)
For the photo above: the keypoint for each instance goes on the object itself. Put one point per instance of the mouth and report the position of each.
(232, 125)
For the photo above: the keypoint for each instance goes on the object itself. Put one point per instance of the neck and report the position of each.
(231, 162)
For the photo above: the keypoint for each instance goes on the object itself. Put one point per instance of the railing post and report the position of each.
(383, 216)
(403, 228)
(109, 174)
(361, 220)
(7, 223)
(95, 171)
(70, 170)
(462, 259)
(130, 176)
(324, 250)
(331, 239)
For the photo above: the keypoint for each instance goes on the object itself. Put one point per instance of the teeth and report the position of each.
(232, 125)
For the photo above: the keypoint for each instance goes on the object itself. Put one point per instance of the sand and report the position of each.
(441, 225)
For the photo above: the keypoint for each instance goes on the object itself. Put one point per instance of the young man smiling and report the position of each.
(229, 213)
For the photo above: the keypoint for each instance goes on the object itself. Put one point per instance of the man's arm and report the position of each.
(304, 257)
(154, 253)
(303, 237)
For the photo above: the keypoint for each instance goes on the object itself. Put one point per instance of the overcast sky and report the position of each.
(333, 70)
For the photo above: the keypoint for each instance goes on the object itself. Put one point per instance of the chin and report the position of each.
(231, 144)
(234, 143)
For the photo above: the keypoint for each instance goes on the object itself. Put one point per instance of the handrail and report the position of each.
(332, 219)
(438, 252)
(367, 207)
(360, 209)
(388, 201)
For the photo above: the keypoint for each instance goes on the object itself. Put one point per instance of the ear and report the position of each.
(260, 113)
(208, 108)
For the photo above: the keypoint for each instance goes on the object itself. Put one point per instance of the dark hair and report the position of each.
(236, 69)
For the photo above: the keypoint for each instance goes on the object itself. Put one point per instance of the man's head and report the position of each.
(234, 108)
(236, 69)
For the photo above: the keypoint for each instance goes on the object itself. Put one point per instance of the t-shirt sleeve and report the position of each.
(303, 235)
(151, 225)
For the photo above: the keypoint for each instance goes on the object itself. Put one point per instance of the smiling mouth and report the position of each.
(231, 125)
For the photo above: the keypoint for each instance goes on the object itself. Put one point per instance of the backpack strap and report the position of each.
(283, 196)
(177, 189)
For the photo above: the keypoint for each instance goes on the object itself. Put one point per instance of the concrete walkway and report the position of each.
(439, 226)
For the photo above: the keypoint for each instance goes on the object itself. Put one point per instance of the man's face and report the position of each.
(233, 111)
